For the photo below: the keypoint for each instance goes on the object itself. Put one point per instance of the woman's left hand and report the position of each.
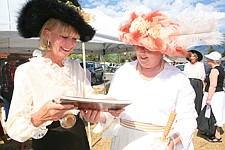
(92, 116)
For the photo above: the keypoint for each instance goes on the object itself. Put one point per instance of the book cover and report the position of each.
(95, 104)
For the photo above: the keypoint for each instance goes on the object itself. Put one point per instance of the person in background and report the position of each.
(155, 88)
(6, 83)
(133, 56)
(35, 110)
(214, 93)
(3, 136)
(195, 71)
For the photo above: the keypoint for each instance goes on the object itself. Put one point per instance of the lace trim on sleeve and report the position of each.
(36, 132)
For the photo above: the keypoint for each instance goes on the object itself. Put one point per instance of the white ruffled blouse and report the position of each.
(196, 71)
(37, 82)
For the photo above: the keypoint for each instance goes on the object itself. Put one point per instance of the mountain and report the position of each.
(204, 48)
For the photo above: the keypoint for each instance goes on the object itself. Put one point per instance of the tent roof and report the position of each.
(105, 41)
(11, 42)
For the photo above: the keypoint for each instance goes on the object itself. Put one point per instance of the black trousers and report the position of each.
(58, 138)
(197, 84)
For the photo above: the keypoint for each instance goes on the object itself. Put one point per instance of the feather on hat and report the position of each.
(35, 13)
(157, 32)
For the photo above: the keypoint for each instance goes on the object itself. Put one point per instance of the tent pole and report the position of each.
(84, 81)
(104, 73)
(84, 66)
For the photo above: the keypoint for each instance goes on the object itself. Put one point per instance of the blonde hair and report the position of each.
(52, 24)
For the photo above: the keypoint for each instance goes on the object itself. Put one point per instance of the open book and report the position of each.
(95, 104)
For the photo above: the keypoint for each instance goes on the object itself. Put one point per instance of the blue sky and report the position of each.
(119, 8)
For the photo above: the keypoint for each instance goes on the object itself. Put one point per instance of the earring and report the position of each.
(48, 43)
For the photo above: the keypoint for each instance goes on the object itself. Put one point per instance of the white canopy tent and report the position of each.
(105, 41)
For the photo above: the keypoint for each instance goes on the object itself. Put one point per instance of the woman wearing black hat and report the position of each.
(195, 71)
(39, 83)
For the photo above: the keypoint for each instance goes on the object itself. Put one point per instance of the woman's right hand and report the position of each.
(51, 110)
(116, 113)
(208, 101)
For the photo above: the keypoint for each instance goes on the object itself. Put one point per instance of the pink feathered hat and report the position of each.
(154, 31)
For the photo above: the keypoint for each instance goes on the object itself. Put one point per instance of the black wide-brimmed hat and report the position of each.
(35, 13)
(200, 56)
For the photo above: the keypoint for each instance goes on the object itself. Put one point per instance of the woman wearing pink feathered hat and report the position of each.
(156, 88)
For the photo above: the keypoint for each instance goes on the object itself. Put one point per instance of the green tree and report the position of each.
(223, 54)
(211, 49)
(112, 58)
(92, 57)
(89, 57)
(108, 58)
(72, 56)
(76, 56)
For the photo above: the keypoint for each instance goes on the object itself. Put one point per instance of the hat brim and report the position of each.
(211, 57)
(36, 12)
(200, 56)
